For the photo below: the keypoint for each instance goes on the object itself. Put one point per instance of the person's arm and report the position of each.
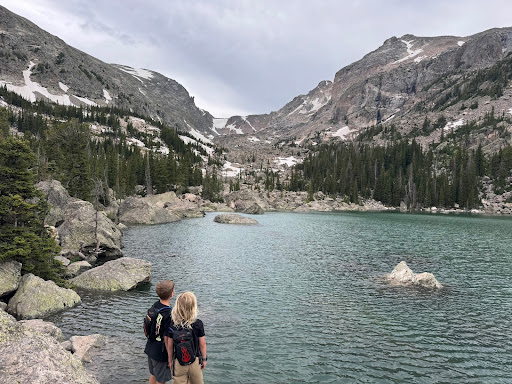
(202, 349)
(169, 345)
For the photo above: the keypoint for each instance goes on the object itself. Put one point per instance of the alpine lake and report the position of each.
(301, 298)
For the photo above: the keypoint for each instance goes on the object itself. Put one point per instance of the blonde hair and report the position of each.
(184, 312)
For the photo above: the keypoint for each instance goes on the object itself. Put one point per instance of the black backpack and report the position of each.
(153, 322)
(184, 345)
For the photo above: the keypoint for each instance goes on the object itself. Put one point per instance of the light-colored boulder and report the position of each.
(3, 305)
(43, 327)
(85, 230)
(77, 267)
(403, 275)
(158, 209)
(63, 260)
(117, 275)
(36, 298)
(10, 276)
(28, 355)
(145, 210)
(80, 227)
(233, 218)
(83, 346)
(427, 280)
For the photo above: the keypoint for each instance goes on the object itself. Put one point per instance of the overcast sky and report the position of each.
(244, 57)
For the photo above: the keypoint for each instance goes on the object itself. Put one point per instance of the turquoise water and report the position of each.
(300, 298)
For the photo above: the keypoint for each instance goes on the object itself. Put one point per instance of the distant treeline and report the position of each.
(402, 172)
(66, 150)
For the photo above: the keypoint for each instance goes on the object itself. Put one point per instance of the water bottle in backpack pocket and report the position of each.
(185, 343)
(153, 322)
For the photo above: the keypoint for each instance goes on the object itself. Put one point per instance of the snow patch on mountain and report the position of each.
(289, 161)
(343, 132)
(454, 125)
(137, 72)
(232, 127)
(410, 51)
(253, 139)
(28, 91)
(85, 100)
(63, 86)
(461, 43)
(199, 136)
(229, 170)
(218, 123)
(107, 96)
(311, 106)
(244, 118)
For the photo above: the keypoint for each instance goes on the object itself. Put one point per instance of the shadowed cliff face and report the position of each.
(39, 65)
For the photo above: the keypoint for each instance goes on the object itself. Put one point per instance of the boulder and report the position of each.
(146, 210)
(63, 260)
(29, 354)
(83, 346)
(3, 305)
(43, 327)
(158, 209)
(233, 218)
(77, 267)
(37, 298)
(58, 198)
(80, 227)
(86, 230)
(254, 209)
(117, 275)
(10, 276)
(403, 275)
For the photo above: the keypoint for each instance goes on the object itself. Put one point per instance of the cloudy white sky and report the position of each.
(239, 57)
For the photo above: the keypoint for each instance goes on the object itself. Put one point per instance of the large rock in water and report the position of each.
(36, 298)
(10, 276)
(403, 275)
(28, 354)
(80, 227)
(233, 218)
(157, 209)
(117, 275)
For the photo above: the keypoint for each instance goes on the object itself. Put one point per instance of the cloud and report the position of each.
(241, 57)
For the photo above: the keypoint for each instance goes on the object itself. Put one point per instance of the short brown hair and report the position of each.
(164, 289)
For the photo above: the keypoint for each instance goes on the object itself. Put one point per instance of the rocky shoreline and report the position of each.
(89, 237)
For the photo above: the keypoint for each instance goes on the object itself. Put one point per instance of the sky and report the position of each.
(240, 57)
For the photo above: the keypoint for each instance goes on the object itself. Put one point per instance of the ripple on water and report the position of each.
(300, 299)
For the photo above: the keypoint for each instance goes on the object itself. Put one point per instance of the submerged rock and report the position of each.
(233, 218)
(10, 277)
(403, 275)
(37, 298)
(29, 354)
(83, 346)
(117, 275)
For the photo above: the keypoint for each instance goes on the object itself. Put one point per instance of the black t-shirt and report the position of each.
(197, 327)
(156, 349)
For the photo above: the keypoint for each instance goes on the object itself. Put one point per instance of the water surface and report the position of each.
(300, 298)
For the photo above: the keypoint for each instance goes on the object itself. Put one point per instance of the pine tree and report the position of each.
(23, 236)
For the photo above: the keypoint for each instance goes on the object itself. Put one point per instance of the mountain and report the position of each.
(403, 82)
(38, 65)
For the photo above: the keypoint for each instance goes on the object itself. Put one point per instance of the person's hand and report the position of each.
(203, 364)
